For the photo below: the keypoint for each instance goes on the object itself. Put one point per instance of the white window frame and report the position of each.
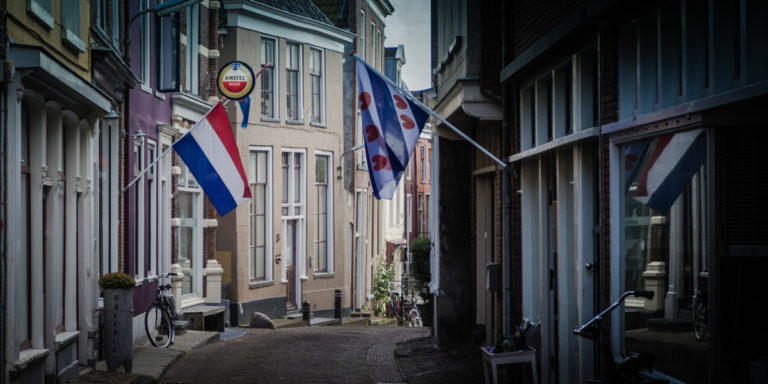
(422, 163)
(299, 83)
(139, 209)
(42, 10)
(329, 213)
(381, 53)
(116, 22)
(275, 80)
(145, 45)
(409, 212)
(363, 27)
(197, 236)
(321, 75)
(109, 197)
(152, 180)
(70, 24)
(293, 203)
(268, 217)
(192, 73)
(373, 44)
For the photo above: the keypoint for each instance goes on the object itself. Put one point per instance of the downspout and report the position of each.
(505, 184)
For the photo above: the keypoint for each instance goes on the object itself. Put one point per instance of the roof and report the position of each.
(334, 10)
(299, 7)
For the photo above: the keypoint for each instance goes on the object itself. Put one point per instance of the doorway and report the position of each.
(484, 235)
(290, 265)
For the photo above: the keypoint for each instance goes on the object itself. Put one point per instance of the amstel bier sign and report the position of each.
(236, 80)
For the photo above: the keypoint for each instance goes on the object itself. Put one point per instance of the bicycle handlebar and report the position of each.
(584, 330)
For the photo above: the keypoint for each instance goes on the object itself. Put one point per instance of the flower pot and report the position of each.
(118, 328)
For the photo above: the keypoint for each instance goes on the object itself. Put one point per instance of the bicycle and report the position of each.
(701, 308)
(632, 368)
(160, 318)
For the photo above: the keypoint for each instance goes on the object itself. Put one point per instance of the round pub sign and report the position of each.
(235, 80)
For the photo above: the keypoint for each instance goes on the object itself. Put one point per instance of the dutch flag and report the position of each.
(391, 126)
(210, 152)
(669, 165)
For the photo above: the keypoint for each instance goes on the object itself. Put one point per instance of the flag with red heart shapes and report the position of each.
(391, 125)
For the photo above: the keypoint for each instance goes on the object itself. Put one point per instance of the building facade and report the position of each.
(57, 122)
(465, 64)
(288, 245)
(628, 127)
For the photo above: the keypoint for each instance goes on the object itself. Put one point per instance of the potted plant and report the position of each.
(118, 319)
(420, 270)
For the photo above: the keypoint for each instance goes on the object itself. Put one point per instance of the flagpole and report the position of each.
(135, 179)
(431, 112)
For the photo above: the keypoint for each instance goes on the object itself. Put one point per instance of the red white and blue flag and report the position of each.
(669, 164)
(210, 152)
(391, 126)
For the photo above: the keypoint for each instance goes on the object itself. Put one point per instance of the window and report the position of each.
(139, 210)
(426, 216)
(109, 195)
(41, 9)
(260, 214)
(101, 15)
(316, 79)
(23, 313)
(293, 80)
(373, 45)
(429, 162)
(408, 212)
(167, 37)
(324, 212)
(381, 55)
(663, 241)
(409, 170)
(190, 249)
(293, 214)
(151, 234)
(192, 70)
(268, 79)
(420, 217)
(70, 20)
(362, 34)
(116, 22)
(144, 42)
(422, 165)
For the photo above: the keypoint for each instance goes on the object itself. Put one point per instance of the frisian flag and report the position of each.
(391, 125)
(668, 165)
(210, 152)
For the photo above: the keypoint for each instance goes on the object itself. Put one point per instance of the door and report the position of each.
(484, 254)
(551, 262)
(290, 264)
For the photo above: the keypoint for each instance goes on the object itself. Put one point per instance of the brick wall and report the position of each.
(531, 19)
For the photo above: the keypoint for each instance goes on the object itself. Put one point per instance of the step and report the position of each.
(366, 314)
(180, 324)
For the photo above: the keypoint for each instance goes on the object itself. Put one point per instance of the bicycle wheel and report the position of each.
(414, 318)
(159, 326)
(700, 321)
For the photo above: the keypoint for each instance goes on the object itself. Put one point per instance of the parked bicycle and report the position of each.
(404, 309)
(159, 321)
(701, 308)
(631, 368)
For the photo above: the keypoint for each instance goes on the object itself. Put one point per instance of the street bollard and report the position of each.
(337, 305)
(305, 311)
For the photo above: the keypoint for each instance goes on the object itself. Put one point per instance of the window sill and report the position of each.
(324, 275)
(260, 284)
(66, 338)
(41, 15)
(295, 122)
(146, 88)
(319, 125)
(28, 357)
(269, 120)
(72, 40)
(160, 95)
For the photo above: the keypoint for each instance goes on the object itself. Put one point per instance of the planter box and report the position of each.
(118, 328)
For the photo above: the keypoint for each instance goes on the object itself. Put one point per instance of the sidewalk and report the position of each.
(149, 363)
(422, 363)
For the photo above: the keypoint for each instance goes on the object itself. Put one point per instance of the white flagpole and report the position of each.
(431, 112)
(160, 157)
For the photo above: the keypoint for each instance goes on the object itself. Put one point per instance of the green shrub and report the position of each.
(382, 285)
(116, 280)
(420, 250)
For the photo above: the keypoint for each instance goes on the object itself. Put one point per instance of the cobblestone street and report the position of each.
(299, 355)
